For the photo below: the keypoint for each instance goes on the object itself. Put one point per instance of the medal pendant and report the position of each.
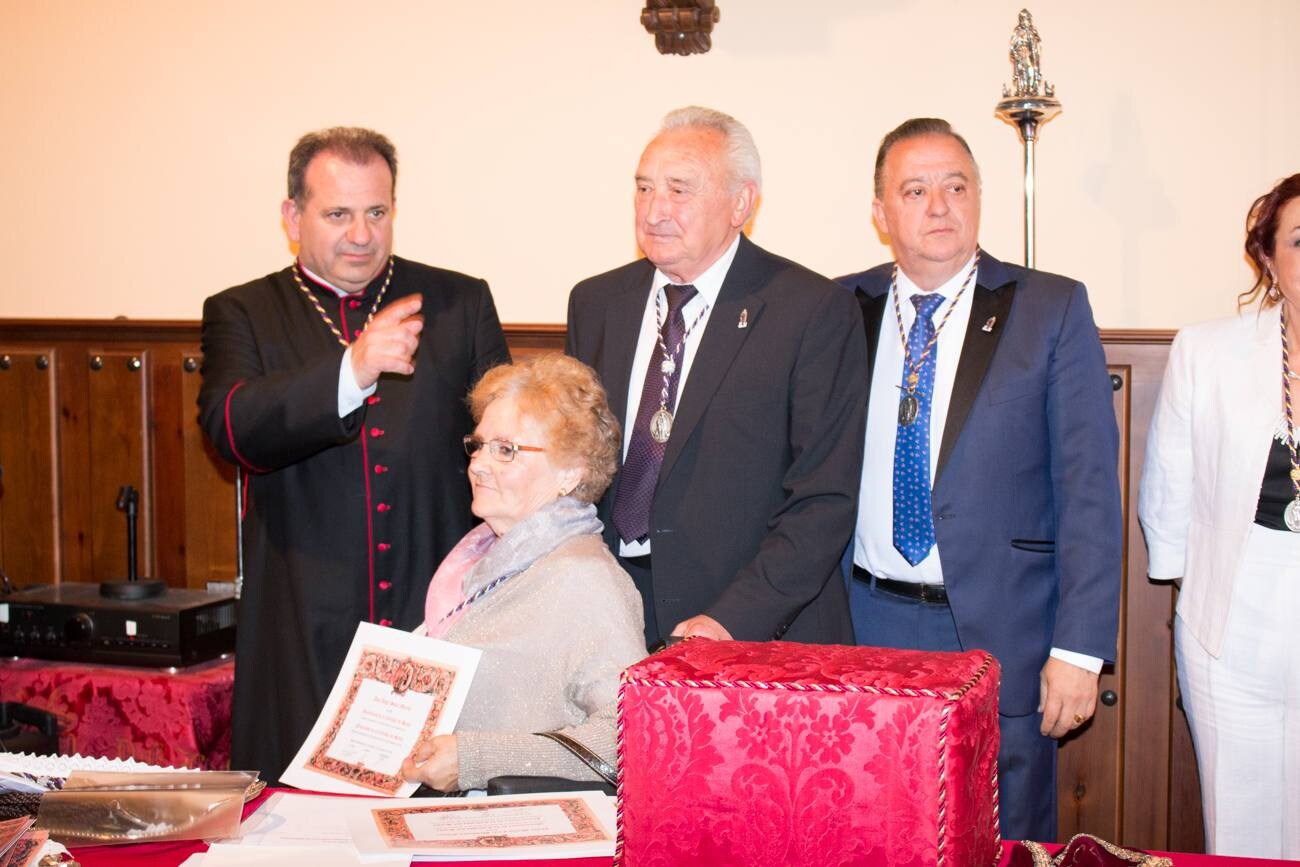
(661, 426)
(913, 378)
(909, 408)
(1292, 515)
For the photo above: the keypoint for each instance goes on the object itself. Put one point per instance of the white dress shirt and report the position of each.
(350, 395)
(873, 547)
(707, 286)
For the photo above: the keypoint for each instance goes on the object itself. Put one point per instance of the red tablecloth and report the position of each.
(165, 855)
(177, 717)
(171, 854)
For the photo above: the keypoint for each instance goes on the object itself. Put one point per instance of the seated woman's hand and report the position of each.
(434, 763)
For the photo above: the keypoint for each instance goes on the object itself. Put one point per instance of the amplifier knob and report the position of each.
(79, 629)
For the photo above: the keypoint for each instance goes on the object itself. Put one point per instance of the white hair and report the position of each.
(741, 153)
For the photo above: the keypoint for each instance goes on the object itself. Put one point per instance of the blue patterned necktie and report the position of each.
(913, 515)
(636, 488)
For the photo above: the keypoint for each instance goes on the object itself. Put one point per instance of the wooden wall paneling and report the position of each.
(29, 482)
(526, 340)
(1186, 828)
(118, 431)
(76, 549)
(209, 489)
(167, 464)
(1148, 609)
(1089, 766)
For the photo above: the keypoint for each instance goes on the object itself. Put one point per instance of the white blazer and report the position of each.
(1206, 454)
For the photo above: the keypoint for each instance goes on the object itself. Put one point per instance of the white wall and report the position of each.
(144, 142)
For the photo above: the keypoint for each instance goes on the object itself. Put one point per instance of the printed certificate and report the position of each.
(394, 690)
(555, 825)
(25, 850)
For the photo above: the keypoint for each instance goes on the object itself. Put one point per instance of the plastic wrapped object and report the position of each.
(100, 808)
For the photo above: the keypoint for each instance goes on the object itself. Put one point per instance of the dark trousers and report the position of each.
(1026, 759)
(640, 570)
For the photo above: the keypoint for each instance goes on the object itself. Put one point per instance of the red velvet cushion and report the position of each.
(786, 754)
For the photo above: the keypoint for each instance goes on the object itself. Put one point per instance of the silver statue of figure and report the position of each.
(1032, 104)
(1026, 60)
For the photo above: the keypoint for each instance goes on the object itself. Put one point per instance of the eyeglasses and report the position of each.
(502, 450)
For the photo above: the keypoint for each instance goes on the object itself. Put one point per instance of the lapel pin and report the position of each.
(988, 324)
(744, 319)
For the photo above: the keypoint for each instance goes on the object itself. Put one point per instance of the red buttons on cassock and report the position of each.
(383, 507)
(380, 469)
(376, 431)
(385, 622)
(373, 399)
(385, 585)
(354, 304)
(383, 546)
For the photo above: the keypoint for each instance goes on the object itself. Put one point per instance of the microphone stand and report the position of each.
(132, 589)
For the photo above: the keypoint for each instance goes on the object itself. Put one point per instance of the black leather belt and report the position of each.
(930, 594)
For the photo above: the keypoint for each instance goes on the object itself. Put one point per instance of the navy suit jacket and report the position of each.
(758, 488)
(1026, 489)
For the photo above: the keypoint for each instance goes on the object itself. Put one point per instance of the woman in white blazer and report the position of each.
(1220, 506)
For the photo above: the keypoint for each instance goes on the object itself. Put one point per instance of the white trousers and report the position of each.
(1244, 706)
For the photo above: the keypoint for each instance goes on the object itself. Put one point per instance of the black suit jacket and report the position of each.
(757, 493)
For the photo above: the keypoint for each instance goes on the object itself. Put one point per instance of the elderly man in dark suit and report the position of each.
(741, 381)
(990, 512)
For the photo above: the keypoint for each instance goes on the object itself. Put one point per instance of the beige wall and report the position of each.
(144, 140)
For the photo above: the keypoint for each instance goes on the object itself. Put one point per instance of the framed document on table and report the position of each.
(534, 826)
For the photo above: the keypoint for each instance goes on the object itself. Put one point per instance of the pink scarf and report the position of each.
(447, 588)
(482, 560)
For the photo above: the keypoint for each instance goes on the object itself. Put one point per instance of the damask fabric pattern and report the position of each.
(147, 714)
(789, 754)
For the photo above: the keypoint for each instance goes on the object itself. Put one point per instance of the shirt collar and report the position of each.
(906, 288)
(709, 284)
(343, 293)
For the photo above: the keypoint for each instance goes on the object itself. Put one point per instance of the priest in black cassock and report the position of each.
(338, 385)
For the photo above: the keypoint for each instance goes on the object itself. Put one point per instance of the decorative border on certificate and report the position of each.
(25, 850)
(403, 674)
(396, 833)
(11, 832)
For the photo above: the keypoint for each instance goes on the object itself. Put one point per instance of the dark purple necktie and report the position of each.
(636, 488)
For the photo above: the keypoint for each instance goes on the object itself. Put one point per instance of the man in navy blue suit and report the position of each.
(989, 511)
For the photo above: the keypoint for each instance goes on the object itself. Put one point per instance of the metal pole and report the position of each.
(1029, 200)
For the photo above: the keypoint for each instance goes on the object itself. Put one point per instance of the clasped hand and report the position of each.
(435, 763)
(702, 626)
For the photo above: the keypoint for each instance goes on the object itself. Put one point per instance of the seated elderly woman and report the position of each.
(534, 586)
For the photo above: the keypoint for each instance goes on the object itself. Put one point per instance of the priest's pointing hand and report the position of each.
(389, 342)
